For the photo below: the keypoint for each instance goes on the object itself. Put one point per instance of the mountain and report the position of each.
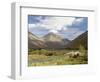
(80, 40)
(53, 37)
(55, 41)
(65, 41)
(32, 36)
(49, 41)
(35, 42)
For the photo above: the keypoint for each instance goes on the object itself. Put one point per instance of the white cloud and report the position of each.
(78, 20)
(54, 31)
(57, 23)
(54, 24)
(31, 26)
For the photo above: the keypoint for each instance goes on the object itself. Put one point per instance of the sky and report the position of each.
(67, 27)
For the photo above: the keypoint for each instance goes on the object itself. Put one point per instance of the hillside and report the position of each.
(80, 40)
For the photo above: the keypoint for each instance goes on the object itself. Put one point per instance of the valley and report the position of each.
(52, 49)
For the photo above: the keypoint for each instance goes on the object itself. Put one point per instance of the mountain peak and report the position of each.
(50, 40)
(52, 37)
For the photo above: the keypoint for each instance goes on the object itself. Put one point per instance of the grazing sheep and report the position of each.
(73, 54)
(78, 53)
(69, 54)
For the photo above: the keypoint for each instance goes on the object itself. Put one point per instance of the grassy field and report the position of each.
(55, 57)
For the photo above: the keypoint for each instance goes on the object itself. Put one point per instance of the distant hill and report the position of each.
(49, 41)
(55, 41)
(35, 42)
(80, 40)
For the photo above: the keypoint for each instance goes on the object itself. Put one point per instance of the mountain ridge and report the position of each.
(81, 40)
(55, 41)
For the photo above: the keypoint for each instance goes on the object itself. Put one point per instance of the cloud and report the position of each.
(53, 23)
(79, 20)
(31, 26)
(71, 33)
(53, 31)
(81, 23)
(57, 23)
(68, 27)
